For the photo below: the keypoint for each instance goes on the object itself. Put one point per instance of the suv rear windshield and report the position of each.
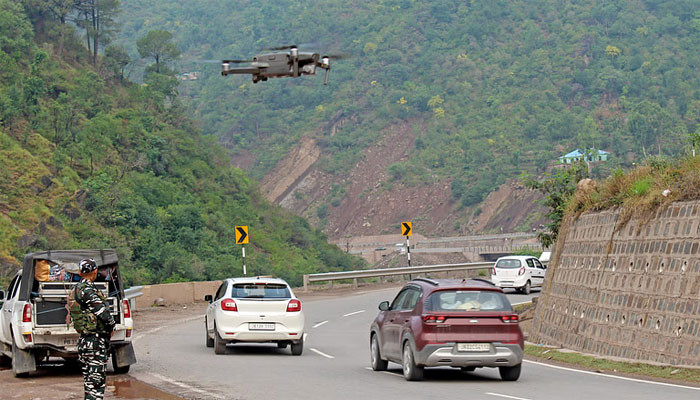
(260, 291)
(467, 300)
(508, 264)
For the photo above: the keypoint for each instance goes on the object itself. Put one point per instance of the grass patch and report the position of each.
(603, 365)
(643, 190)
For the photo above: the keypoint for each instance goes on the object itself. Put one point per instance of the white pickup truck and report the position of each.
(33, 324)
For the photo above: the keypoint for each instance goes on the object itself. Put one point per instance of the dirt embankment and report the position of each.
(292, 168)
(367, 201)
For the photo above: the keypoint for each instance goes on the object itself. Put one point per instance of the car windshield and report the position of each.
(467, 300)
(260, 291)
(510, 263)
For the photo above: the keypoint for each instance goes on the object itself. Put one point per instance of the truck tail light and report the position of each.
(434, 319)
(228, 305)
(128, 333)
(127, 309)
(521, 271)
(510, 319)
(494, 270)
(27, 314)
(294, 305)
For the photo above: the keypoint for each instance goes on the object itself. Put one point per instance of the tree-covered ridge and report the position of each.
(92, 161)
(504, 86)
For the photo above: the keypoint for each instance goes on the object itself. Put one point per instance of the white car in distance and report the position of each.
(519, 272)
(254, 310)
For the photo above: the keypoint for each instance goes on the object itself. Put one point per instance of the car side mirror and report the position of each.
(208, 298)
(384, 305)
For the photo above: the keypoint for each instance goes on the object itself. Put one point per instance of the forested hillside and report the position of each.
(91, 160)
(482, 90)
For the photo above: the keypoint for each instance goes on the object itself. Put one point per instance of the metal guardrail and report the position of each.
(131, 293)
(373, 273)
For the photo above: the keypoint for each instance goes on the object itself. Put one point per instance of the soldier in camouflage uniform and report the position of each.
(92, 319)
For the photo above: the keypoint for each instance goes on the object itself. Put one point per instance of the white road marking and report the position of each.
(505, 396)
(305, 336)
(353, 313)
(152, 331)
(624, 378)
(320, 353)
(188, 387)
(383, 372)
(320, 323)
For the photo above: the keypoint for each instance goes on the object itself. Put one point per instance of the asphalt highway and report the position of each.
(335, 365)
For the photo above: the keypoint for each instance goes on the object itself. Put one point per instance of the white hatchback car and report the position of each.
(518, 272)
(257, 310)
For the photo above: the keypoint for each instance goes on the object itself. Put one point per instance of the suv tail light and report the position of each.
(434, 319)
(494, 270)
(510, 319)
(521, 271)
(127, 309)
(294, 305)
(27, 313)
(228, 305)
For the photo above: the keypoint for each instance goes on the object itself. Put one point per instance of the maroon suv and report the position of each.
(466, 324)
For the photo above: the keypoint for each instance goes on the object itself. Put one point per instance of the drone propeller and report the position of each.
(291, 46)
(236, 61)
(340, 56)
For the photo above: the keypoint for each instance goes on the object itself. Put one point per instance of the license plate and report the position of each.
(70, 342)
(473, 346)
(261, 326)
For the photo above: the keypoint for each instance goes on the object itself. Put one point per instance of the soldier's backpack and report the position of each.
(84, 321)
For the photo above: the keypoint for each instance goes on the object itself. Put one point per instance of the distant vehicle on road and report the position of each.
(254, 310)
(33, 319)
(465, 324)
(519, 272)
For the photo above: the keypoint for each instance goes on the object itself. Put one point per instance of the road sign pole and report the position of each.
(408, 250)
(244, 271)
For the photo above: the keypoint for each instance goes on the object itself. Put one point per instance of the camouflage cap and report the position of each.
(87, 265)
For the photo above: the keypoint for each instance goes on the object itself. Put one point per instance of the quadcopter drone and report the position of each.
(279, 64)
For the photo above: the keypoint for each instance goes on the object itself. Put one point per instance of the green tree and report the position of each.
(99, 20)
(158, 45)
(116, 59)
(557, 189)
(15, 30)
(648, 123)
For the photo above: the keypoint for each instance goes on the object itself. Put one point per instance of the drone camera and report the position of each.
(326, 61)
(294, 51)
(225, 67)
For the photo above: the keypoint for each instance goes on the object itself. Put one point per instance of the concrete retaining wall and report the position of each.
(177, 293)
(632, 294)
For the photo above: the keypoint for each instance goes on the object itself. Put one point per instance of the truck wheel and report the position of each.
(5, 361)
(209, 341)
(119, 370)
(219, 344)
